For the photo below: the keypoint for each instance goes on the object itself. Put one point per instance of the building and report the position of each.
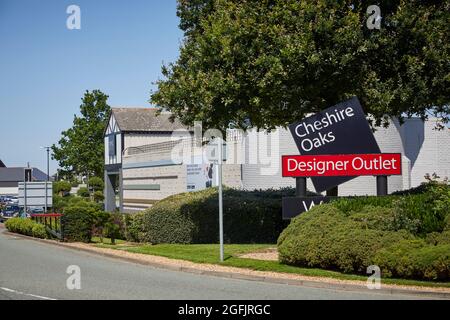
(130, 128)
(10, 178)
(143, 163)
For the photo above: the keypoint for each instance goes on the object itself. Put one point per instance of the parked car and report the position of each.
(37, 211)
(13, 200)
(10, 211)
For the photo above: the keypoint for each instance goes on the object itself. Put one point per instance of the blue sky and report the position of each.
(45, 68)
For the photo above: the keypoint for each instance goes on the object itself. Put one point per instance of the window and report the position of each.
(112, 145)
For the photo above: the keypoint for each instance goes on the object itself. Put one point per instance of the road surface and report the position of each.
(35, 270)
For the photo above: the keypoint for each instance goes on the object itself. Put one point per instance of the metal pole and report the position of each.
(220, 145)
(25, 192)
(382, 185)
(46, 182)
(300, 186)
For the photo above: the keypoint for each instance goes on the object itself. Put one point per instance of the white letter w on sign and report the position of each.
(310, 206)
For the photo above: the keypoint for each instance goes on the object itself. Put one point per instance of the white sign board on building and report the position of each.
(200, 176)
(35, 192)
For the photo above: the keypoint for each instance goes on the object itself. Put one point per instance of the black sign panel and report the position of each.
(293, 206)
(341, 129)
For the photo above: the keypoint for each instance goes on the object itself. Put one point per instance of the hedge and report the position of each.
(415, 259)
(26, 227)
(406, 235)
(249, 217)
(77, 222)
(324, 237)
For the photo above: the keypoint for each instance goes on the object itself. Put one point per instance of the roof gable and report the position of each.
(145, 120)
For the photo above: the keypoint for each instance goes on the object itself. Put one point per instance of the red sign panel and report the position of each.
(377, 164)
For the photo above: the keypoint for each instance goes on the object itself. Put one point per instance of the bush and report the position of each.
(74, 184)
(407, 235)
(26, 227)
(112, 231)
(426, 207)
(415, 259)
(324, 237)
(96, 183)
(39, 231)
(83, 192)
(77, 223)
(249, 217)
(98, 196)
(134, 230)
(61, 187)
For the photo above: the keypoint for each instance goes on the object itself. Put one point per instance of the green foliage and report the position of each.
(134, 226)
(324, 237)
(426, 207)
(269, 63)
(38, 231)
(98, 196)
(60, 187)
(74, 184)
(96, 183)
(112, 231)
(83, 192)
(249, 217)
(26, 227)
(81, 148)
(77, 223)
(414, 259)
(100, 218)
(406, 235)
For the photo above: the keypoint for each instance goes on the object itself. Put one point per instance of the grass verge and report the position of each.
(209, 253)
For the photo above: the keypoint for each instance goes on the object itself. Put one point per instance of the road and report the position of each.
(35, 270)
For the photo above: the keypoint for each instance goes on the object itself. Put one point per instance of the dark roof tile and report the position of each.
(145, 119)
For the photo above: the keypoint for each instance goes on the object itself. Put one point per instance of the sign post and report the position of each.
(220, 145)
(28, 174)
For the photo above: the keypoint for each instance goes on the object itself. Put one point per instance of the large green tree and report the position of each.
(81, 148)
(265, 63)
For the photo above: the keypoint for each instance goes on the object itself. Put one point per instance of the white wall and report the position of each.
(428, 149)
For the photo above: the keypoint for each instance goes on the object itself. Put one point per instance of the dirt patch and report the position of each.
(270, 254)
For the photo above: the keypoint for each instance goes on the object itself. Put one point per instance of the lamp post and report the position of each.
(48, 177)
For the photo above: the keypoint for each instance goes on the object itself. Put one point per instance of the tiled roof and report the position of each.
(145, 119)
(17, 174)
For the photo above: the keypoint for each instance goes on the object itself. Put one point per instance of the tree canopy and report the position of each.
(266, 63)
(81, 147)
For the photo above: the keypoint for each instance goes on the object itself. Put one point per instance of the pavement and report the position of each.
(37, 270)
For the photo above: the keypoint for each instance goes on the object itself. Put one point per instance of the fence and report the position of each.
(52, 223)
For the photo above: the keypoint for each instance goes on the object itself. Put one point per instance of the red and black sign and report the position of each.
(341, 129)
(352, 165)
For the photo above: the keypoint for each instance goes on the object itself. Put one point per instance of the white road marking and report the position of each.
(26, 294)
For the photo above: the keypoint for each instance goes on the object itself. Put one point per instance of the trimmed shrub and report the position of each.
(61, 187)
(26, 227)
(324, 237)
(249, 217)
(415, 259)
(98, 196)
(38, 231)
(134, 226)
(83, 192)
(96, 183)
(77, 223)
